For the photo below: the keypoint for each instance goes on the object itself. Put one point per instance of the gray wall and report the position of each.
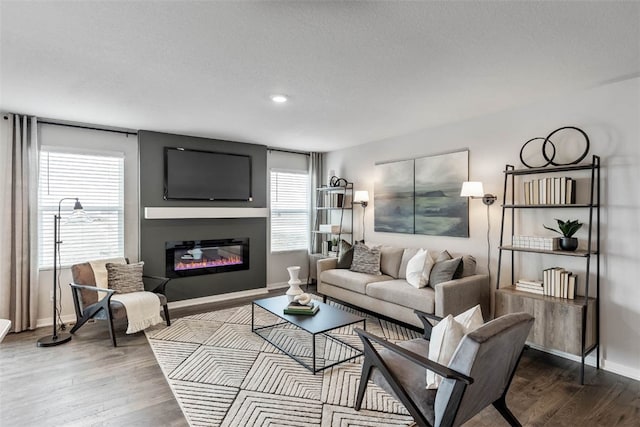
(154, 233)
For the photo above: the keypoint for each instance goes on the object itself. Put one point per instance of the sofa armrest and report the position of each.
(326, 264)
(456, 296)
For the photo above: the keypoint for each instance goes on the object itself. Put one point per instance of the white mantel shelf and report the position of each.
(202, 212)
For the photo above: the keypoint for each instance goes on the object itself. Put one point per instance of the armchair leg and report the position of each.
(112, 332)
(364, 379)
(166, 315)
(501, 406)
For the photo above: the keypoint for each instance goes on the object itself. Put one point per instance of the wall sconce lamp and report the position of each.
(474, 190)
(361, 198)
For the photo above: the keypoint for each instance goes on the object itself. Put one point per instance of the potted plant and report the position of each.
(567, 229)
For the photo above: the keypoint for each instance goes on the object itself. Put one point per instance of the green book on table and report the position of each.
(295, 308)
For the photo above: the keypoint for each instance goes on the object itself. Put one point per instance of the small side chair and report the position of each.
(93, 302)
(479, 374)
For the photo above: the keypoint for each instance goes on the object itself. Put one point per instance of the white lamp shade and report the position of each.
(361, 196)
(472, 189)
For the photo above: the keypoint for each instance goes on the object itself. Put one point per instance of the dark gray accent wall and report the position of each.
(154, 233)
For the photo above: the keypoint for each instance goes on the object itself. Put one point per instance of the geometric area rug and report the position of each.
(222, 374)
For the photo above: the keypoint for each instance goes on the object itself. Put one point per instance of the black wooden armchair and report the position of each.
(93, 302)
(479, 373)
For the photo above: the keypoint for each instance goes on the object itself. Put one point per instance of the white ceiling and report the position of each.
(355, 72)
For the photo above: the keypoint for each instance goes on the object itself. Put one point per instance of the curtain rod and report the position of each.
(306, 153)
(87, 127)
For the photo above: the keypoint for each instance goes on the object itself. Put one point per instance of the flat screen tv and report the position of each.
(206, 175)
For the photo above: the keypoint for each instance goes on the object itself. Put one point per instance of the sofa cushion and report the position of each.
(407, 254)
(402, 293)
(390, 259)
(445, 256)
(350, 280)
(366, 259)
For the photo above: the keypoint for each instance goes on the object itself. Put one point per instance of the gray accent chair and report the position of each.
(92, 302)
(478, 375)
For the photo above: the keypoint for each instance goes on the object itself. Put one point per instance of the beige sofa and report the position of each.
(392, 296)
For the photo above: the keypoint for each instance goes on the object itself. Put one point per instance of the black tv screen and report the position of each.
(206, 175)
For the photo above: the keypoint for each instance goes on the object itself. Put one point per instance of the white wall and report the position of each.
(610, 115)
(278, 262)
(64, 136)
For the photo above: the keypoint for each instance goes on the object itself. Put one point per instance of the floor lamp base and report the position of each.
(51, 340)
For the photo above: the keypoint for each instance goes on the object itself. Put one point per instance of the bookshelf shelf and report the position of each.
(577, 253)
(566, 205)
(569, 325)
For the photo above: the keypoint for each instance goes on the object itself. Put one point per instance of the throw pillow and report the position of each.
(414, 268)
(366, 259)
(125, 278)
(345, 255)
(406, 257)
(426, 270)
(446, 336)
(467, 267)
(443, 271)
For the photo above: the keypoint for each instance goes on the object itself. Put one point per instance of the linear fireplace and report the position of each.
(197, 257)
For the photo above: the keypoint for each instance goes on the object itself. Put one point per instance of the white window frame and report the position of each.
(74, 236)
(304, 210)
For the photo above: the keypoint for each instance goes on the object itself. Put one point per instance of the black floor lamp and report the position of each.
(78, 215)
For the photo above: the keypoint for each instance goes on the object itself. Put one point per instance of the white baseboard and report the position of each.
(217, 298)
(277, 285)
(68, 318)
(625, 371)
(590, 360)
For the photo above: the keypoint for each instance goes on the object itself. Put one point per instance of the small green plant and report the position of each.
(567, 228)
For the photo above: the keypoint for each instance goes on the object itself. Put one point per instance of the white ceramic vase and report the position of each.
(294, 282)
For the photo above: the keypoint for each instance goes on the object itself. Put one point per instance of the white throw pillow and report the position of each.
(426, 270)
(446, 336)
(414, 268)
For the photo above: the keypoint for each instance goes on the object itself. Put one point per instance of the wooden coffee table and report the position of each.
(327, 319)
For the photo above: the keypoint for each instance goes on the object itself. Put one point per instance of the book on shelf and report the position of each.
(558, 282)
(297, 308)
(549, 191)
(533, 286)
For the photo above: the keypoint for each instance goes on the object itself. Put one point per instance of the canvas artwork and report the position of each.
(394, 197)
(439, 209)
(422, 196)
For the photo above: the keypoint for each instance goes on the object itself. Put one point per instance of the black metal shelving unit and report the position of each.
(325, 211)
(592, 251)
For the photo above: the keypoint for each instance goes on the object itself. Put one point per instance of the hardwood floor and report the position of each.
(87, 382)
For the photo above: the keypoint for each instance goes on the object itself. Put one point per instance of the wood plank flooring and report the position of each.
(87, 382)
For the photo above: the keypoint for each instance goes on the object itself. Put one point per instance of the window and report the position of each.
(97, 180)
(289, 211)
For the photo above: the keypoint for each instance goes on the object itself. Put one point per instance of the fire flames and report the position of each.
(208, 263)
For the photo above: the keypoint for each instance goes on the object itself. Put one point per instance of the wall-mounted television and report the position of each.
(206, 175)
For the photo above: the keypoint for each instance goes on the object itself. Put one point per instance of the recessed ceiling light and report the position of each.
(279, 99)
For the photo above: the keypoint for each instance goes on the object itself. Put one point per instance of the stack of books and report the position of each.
(557, 282)
(550, 191)
(533, 286)
(297, 308)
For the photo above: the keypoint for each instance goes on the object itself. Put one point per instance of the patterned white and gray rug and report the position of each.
(222, 374)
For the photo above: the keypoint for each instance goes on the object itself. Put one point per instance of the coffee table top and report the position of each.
(326, 319)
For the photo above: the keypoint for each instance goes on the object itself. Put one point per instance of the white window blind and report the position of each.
(289, 211)
(97, 180)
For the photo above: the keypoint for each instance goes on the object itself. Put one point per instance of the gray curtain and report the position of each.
(18, 220)
(316, 173)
